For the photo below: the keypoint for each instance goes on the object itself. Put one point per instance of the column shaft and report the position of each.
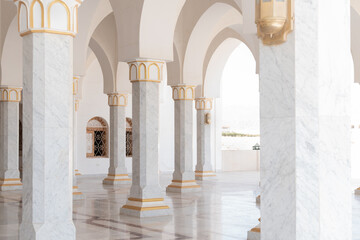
(183, 176)
(305, 127)
(47, 195)
(77, 195)
(204, 167)
(9, 138)
(146, 196)
(117, 171)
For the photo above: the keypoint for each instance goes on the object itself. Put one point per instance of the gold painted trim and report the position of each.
(118, 175)
(146, 200)
(194, 186)
(11, 185)
(117, 99)
(155, 81)
(6, 94)
(183, 181)
(67, 10)
(117, 180)
(27, 16)
(46, 31)
(256, 229)
(77, 193)
(10, 179)
(145, 208)
(32, 13)
(158, 69)
(204, 171)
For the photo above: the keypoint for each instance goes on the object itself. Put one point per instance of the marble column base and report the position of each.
(357, 191)
(117, 179)
(145, 208)
(51, 230)
(258, 199)
(77, 172)
(77, 195)
(201, 175)
(179, 186)
(10, 184)
(255, 233)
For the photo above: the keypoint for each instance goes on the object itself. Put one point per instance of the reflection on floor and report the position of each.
(224, 209)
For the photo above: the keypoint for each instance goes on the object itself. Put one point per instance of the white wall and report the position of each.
(240, 160)
(94, 103)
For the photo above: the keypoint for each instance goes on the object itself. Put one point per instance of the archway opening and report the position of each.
(240, 112)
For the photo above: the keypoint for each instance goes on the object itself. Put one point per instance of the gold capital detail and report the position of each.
(48, 16)
(77, 104)
(203, 103)
(146, 71)
(183, 92)
(10, 94)
(117, 99)
(75, 85)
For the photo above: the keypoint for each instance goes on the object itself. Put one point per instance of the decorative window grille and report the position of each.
(129, 144)
(96, 138)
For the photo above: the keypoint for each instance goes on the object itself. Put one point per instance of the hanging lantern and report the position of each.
(275, 20)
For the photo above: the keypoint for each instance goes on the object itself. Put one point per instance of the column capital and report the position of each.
(48, 16)
(203, 103)
(10, 94)
(76, 85)
(118, 99)
(145, 70)
(183, 92)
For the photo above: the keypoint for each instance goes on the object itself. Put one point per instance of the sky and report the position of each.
(240, 92)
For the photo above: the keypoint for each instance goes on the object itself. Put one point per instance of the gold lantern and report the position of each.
(275, 20)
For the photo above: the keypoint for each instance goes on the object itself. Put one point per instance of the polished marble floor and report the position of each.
(224, 209)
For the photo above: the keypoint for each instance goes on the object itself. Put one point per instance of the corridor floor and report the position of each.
(224, 209)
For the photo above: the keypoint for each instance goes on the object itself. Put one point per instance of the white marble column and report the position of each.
(47, 120)
(204, 168)
(76, 98)
(117, 171)
(146, 196)
(305, 94)
(255, 233)
(183, 176)
(77, 195)
(9, 138)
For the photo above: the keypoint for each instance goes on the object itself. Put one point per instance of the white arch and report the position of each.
(218, 17)
(146, 28)
(105, 64)
(91, 14)
(216, 65)
(216, 57)
(11, 58)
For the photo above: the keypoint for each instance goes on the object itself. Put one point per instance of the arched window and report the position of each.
(128, 137)
(96, 138)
